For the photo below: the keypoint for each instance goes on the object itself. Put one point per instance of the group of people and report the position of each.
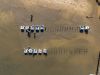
(33, 28)
(31, 51)
(84, 29)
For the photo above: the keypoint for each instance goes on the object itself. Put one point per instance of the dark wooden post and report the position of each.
(98, 64)
(97, 1)
(34, 35)
(31, 18)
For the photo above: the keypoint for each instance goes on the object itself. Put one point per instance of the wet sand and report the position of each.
(70, 52)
